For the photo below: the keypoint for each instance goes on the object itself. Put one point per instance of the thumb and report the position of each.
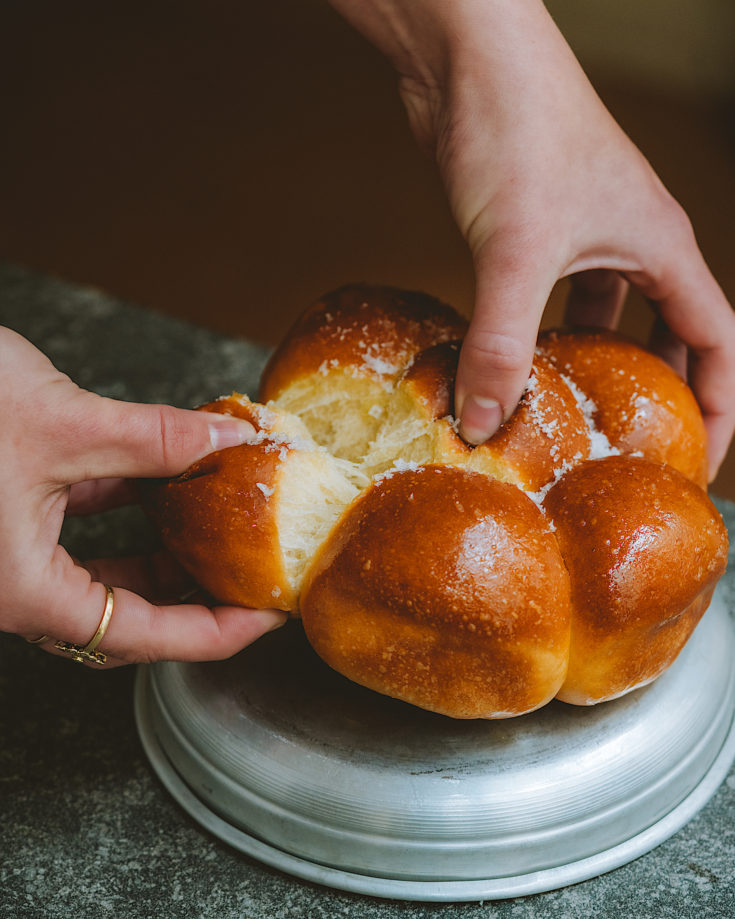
(100, 438)
(497, 352)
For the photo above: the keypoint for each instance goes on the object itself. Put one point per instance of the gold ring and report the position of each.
(37, 641)
(87, 652)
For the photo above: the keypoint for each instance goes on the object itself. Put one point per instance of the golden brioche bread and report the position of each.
(547, 431)
(412, 595)
(247, 539)
(337, 366)
(639, 402)
(478, 582)
(624, 526)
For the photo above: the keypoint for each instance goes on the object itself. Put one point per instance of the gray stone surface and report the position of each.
(86, 830)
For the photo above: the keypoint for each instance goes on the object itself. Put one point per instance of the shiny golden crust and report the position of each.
(412, 595)
(429, 379)
(640, 403)
(644, 547)
(222, 526)
(361, 329)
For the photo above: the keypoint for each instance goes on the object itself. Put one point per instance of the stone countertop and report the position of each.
(87, 830)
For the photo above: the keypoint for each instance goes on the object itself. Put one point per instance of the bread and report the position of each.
(640, 403)
(445, 588)
(644, 548)
(475, 582)
(245, 521)
(337, 366)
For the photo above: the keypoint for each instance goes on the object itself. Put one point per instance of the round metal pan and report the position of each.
(289, 762)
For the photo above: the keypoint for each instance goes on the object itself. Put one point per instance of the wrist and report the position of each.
(422, 38)
(472, 57)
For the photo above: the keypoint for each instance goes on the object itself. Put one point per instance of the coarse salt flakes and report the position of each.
(399, 465)
(378, 364)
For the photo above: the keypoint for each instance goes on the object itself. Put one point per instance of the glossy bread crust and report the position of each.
(639, 403)
(373, 331)
(644, 548)
(218, 520)
(412, 595)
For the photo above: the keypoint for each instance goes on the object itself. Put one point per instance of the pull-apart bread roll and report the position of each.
(337, 366)
(245, 521)
(412, 594)
(639, 402)
(644, 548)
(569, 556)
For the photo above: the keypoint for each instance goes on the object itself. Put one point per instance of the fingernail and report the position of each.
(481, 418)
(280, 621)
(230, 432)
(270, 619)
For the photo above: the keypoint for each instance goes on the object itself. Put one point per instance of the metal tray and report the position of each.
(287, 761)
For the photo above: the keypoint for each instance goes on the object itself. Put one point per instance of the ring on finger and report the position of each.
(88, 653)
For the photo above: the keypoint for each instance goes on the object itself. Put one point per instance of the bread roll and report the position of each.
(336, 367)
(572, 554)
(644, 548)
(246, 521)
(637, 401)
(412, 595)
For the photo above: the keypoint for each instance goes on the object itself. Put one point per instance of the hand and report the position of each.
(64, 450)
(544, 184)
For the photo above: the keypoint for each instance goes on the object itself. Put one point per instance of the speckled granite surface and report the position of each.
(86, 830)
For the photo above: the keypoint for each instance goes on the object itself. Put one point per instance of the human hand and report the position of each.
(544, 184)
(68, 451)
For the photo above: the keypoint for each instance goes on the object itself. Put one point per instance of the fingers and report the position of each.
(710, 368)
(72, 435)
(696, 333)
(157, 577)
(596, 298)
(75, 448)
(497, 353)
(140, 632)
(99, 495)
(668, 347)
(695, 311)
(102, 438)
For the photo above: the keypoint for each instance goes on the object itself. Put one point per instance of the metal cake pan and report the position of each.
(291, 763)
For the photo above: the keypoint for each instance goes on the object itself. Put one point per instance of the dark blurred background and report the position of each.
(228, 162)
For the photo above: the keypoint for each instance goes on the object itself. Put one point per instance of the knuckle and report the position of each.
(179, 440)
(678, 220)
(670, 216)
(496, 352)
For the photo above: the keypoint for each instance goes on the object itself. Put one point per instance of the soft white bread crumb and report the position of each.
(313, 490)
(342, 411)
